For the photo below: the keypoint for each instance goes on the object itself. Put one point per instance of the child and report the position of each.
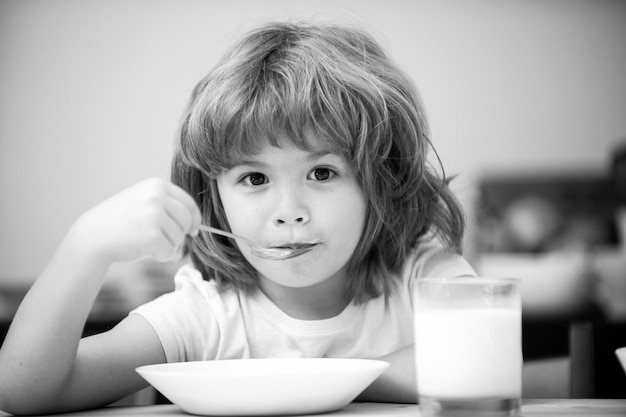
(300, 136)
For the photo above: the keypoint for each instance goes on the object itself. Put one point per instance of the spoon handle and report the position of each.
(223, 233)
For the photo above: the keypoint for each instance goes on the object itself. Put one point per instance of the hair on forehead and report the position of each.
(286, 81)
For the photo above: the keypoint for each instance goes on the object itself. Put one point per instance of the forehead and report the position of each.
(309, 142)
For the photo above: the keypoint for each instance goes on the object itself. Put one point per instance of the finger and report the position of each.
(189, 203)
(168, 241)
(180, 215)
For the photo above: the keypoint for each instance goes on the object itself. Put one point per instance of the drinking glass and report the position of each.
(468, 350)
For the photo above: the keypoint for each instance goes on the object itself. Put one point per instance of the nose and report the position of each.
(291, 209)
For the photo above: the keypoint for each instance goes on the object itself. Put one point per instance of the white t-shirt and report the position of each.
(198, 322)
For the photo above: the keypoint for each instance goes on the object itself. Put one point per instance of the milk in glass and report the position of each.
(461, 371)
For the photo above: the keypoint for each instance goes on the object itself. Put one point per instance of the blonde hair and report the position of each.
(286, 79)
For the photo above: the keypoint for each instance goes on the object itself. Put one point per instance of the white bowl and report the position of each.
(263, 386)
(621, 355)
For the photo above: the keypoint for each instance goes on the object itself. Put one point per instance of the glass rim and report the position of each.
(469, 280)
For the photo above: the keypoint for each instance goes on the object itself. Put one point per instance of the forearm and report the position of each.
(40, 348)
(38, 361)
(397, 384)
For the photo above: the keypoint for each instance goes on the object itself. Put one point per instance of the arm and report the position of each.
(44, 364)
(397, 384)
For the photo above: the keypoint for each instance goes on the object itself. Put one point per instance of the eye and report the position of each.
(254, 179)
(322, 174)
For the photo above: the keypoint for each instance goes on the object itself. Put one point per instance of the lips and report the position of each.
(299, 245)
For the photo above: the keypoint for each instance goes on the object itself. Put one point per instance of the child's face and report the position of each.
(286, 196)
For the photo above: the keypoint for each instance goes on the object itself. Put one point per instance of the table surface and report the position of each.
(530, 408)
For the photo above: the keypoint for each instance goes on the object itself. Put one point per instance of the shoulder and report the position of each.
(430, 259)
(189, 283)
(188, 279)
(191, 320)
(193, 294)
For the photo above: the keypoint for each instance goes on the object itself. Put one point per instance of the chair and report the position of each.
(546, 347)
(595, 369)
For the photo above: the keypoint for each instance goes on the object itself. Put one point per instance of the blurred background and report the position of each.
(526, 100)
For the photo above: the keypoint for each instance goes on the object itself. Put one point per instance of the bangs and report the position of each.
(278, 114)
(286, 86)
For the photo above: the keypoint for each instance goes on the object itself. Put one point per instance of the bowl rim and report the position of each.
(190, 367)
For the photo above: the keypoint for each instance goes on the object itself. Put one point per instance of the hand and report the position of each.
(398, 383)
(150, 218)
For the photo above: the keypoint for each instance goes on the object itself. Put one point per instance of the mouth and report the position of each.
(296, 245)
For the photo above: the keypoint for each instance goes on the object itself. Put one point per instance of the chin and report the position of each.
(310, 269)
(294, 279)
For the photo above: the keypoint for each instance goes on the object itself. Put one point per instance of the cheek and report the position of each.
(348, 213)
(237, 211)
(239, 216)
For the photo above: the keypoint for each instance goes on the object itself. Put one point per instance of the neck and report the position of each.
(322, 301)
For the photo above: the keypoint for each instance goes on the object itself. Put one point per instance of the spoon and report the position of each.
(276, 254)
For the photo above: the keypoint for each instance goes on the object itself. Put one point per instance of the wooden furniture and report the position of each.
(595, 370)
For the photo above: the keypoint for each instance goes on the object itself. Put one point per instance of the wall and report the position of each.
(91, 92)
